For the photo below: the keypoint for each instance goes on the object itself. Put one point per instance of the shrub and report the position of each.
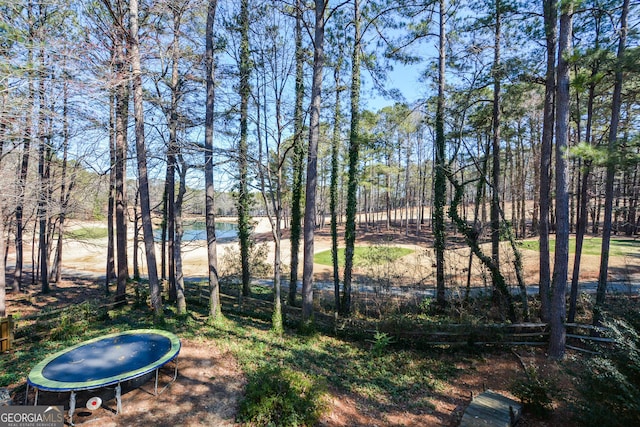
(610, 383)
(142, 294)
(381, 341)
(536, 392)
(278, 396)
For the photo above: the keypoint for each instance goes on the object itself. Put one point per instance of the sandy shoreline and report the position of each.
(90, 255)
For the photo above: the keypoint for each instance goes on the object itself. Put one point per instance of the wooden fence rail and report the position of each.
(580, 337)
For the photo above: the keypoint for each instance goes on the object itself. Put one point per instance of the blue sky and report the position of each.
(405, 78)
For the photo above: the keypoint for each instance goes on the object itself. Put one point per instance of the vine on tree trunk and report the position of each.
(471, 237)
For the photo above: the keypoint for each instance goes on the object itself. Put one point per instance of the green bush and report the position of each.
(381, 341)
(278, 396)
(610, 383)
(536, 392)
(142, 294)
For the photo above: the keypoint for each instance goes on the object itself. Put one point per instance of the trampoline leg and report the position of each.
(118, 399)
(26, 395)
(35, 402)
(155, 390)
(175, 375)
(72, 406)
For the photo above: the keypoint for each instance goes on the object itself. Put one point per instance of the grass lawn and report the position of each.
(87, 233)
(365, 255)
(591, 246)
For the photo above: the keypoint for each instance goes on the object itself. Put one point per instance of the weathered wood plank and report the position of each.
(6, 334)
(491, 409)
(587, 338)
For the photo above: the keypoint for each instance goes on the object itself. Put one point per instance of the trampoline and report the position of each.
(105, 361)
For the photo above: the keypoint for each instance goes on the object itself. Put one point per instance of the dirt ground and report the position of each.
(210, 383)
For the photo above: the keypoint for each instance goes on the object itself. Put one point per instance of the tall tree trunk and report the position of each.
(561, 259)
(172, 153)
(477, 223)
(272, 196)
(164, 227)
(550, 18)
(440, 185)
(64, 193)
(3, 216)
(215, 312)
(181, 301)
(43, 241)
(298, 158)
(244, 221)
(354, 153)
(276, 202)
(598, 210)
(333, 191)
(512, 189)
(496, 72)
(422, 187)
(312, 164)
(276, 318)
(145, 203)
(580, 232)
(407, 184)
(521, 176)
(535, 159)
(582, 210)
(22, 180)
(136, 234)
(611, 169)
(110, 271)
(122, 118)
(387, 191)
(631, 228)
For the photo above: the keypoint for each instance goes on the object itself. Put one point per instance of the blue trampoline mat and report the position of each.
(106, 360)
(108, 357)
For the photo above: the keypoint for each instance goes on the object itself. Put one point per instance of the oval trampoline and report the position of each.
(105, 361)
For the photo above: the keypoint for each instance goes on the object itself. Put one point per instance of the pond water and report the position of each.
(194, 231)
